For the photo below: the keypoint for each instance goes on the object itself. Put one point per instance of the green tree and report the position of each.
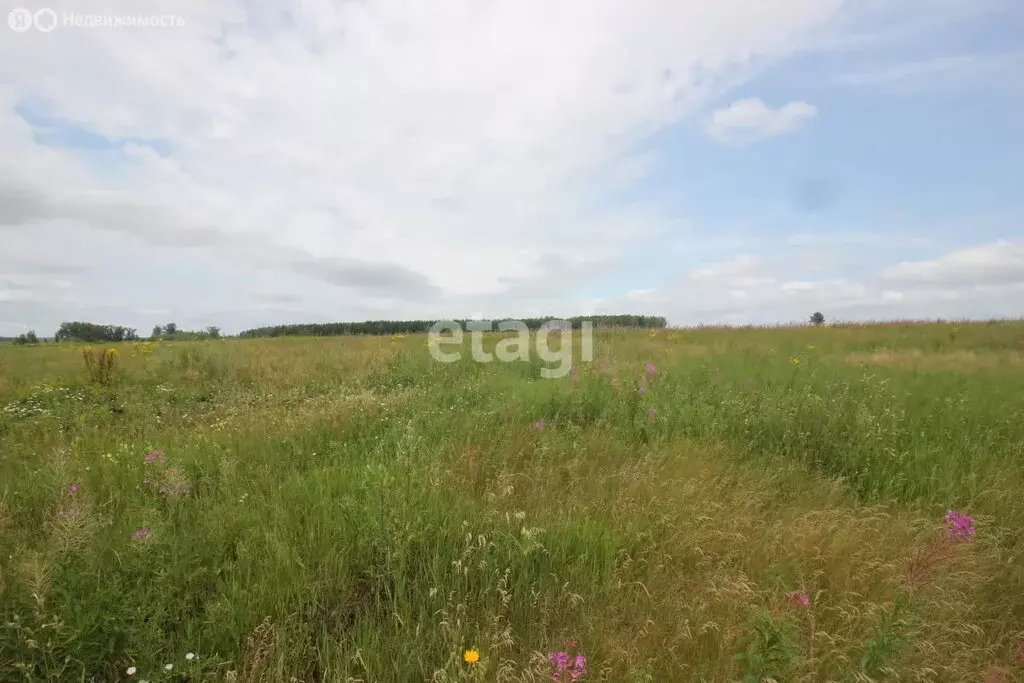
(817, 318)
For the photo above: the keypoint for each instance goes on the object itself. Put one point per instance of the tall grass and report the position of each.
(350, 509)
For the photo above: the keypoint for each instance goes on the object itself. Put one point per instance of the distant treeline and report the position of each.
(91, 332)
(383, 327)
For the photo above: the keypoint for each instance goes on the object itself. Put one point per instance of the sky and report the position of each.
(258, 162)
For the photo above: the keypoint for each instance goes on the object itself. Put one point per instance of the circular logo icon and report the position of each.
(19, 19)
(46, 20)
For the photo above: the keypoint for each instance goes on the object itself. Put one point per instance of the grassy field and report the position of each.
(693, 505)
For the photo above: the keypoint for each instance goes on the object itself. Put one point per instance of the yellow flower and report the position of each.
(471, 656)
(113, 352)
(794, 361)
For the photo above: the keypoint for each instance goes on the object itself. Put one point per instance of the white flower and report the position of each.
(168, 666)
(190, 656)
(131, 670)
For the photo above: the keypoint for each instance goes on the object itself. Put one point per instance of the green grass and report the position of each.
(349, 509)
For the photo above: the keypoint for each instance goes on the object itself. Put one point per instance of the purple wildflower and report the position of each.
(642, 390)
(959, 528)
(579, 667)
(575, 666)
(651, 369)
(141, 534)
(73, 489)
(539, 424)
(154, 456)
(799, 598)
(560, 660)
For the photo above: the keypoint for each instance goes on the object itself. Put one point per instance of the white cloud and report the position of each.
(459, 153)
(978, 282)
(751, 119)
(999, 263)
(980, 70)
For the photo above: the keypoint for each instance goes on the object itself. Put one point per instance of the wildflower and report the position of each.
(131, 670)
(190, 656)
(560, 660)
(799, 598)
(168, 666)
(641, 390)
(140, 534)
(794, 361)
(579, 666)
(959, 527)
(471, 656)
(154, 456)
(651, 369)
(652, 413)
(539, 424)
(574, 666)
(73, 489)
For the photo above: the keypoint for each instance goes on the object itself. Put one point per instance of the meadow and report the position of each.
(693, 505)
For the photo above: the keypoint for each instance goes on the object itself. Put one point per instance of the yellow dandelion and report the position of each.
(471, 656)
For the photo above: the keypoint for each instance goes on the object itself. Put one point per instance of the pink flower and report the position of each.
(141, 534)
(959, 528)
(575, 666)
(651, 369)
(539, 424)
(153, 456)
(799, 598)
(73, 489)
